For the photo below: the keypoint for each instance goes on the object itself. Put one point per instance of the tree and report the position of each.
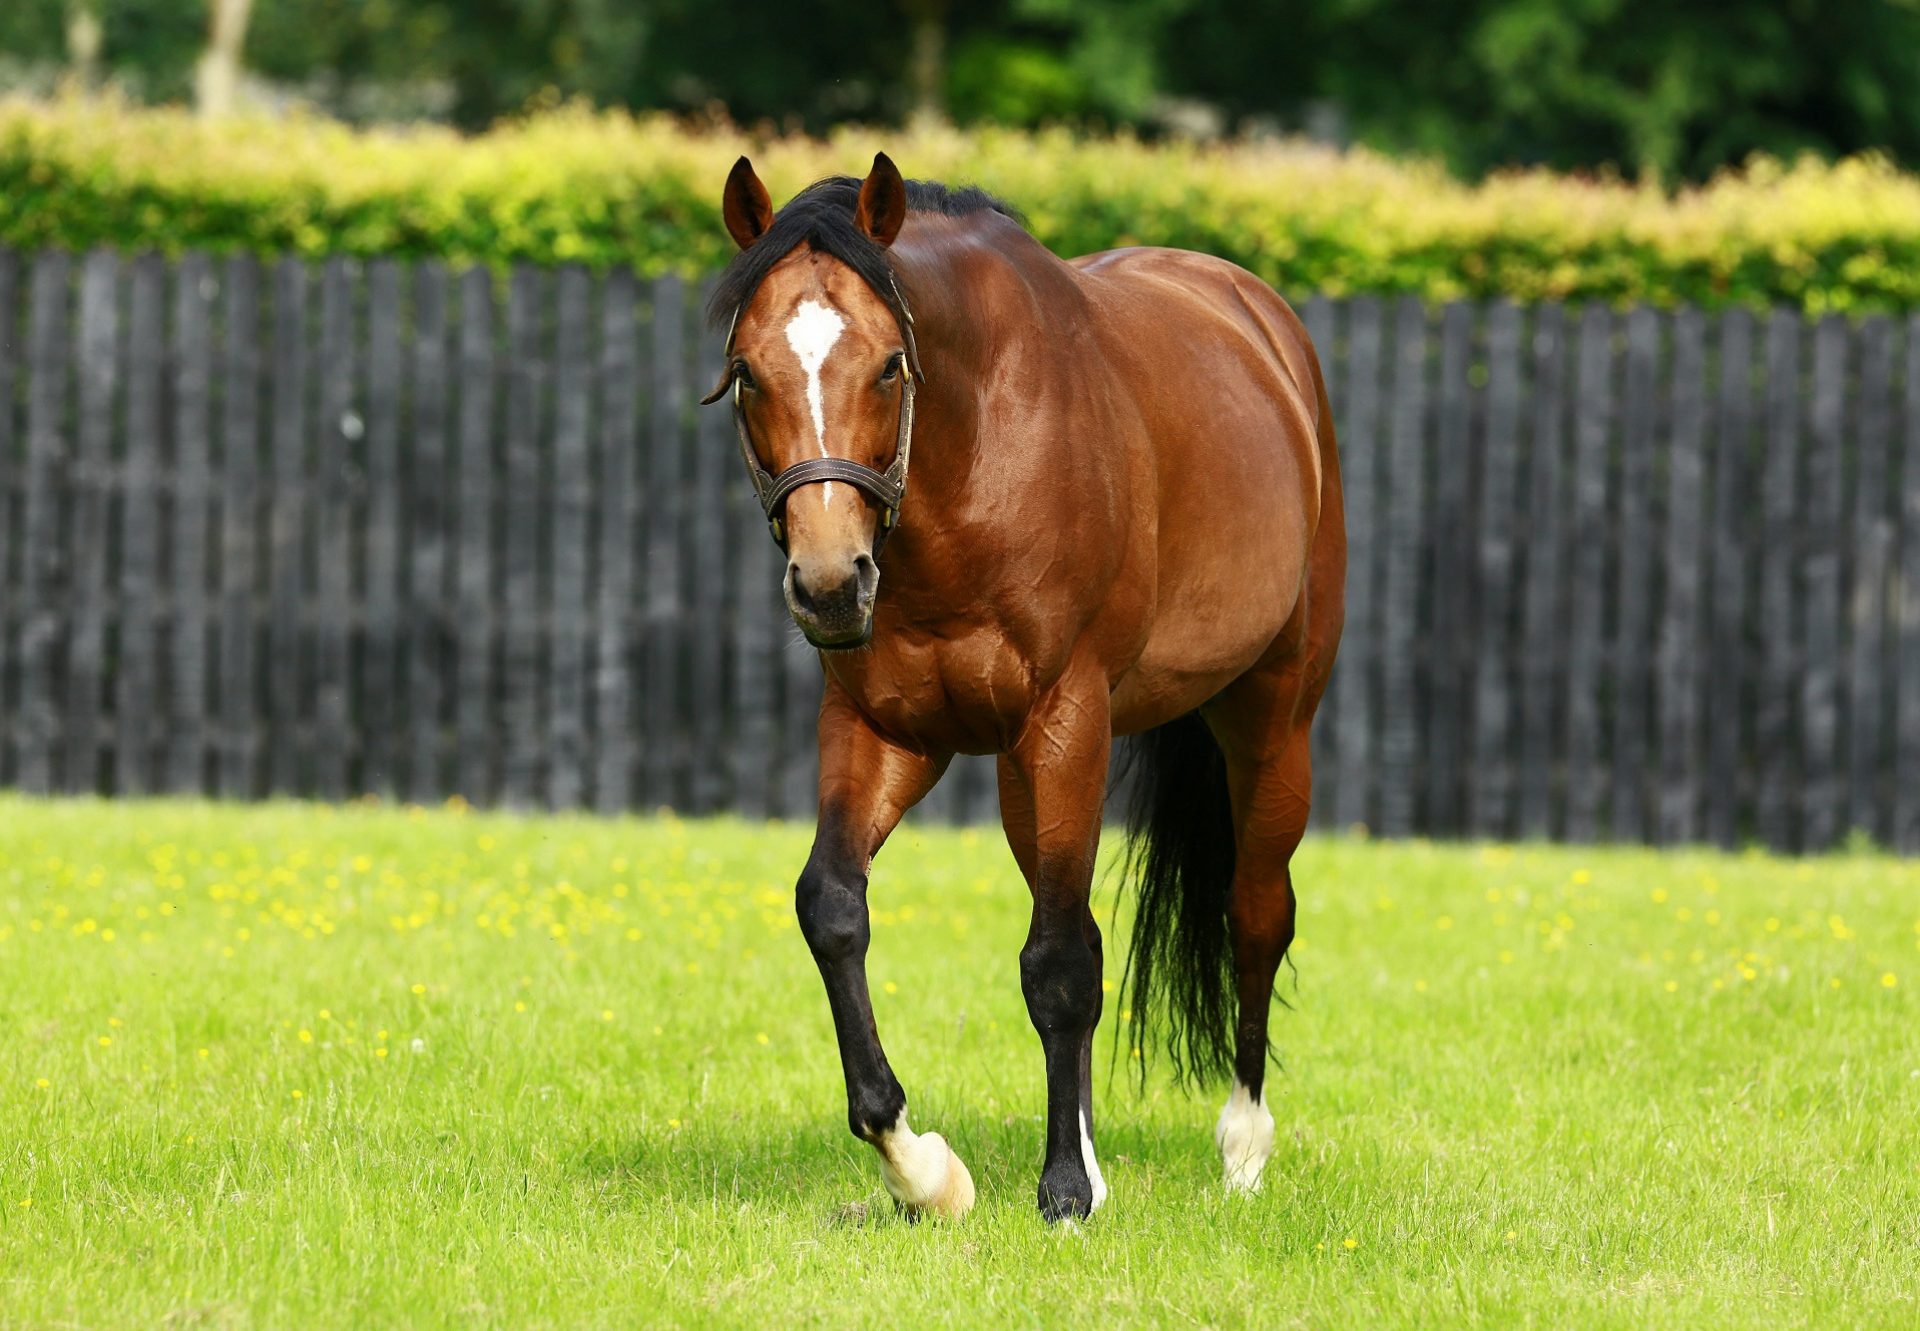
(1672, 87)
(83, 42)
(217, 77)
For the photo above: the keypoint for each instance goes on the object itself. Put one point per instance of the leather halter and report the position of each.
(885, 488)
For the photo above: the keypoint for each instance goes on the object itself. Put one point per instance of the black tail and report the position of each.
(1179, 975)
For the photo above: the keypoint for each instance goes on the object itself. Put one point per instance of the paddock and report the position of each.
(295, 1065)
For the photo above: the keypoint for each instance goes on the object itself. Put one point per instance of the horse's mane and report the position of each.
(821, 216)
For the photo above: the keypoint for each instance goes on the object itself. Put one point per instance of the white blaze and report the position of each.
(811, 333)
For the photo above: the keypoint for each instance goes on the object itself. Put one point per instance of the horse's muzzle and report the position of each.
(835, 613)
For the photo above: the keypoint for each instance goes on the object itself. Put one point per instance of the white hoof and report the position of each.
(1244, 1135)
(922, 1172)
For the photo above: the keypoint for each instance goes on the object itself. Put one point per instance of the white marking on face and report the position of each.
(811, 333)
(1245, 1137)
(1092, 1165)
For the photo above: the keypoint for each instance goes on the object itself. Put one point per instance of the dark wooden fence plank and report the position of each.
(1489, 790)
(192, 362)
(1681, 640)
(800, 772)
(473, 568)
(428, 630)
(137, 660)
(705, 552)
(1318, 316)
(1779, 655)
(1906, 774)
(569, 533)
(978, 800)
(1451, 638)
(661, 678)
(1586, 587)
(1867, 711)
(383, 634)
(239, 524)
(1543, 648)
(286, 748)
(1820, 795)
(334, 439)
(44, 568)
(1727, 661)
(619, 369)
(1400, 573)
(526, 299)
(12, 344)
(1358, 428)
(942, 803)
(98, 382)
(1633, 592)
(756, 657)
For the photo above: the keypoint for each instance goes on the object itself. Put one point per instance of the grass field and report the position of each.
(311, 1068)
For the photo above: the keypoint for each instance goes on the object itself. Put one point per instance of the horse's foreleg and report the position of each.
(1052, 785)
(866, 784)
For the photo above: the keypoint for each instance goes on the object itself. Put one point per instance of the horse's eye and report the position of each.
(892, 371)
(742, 375)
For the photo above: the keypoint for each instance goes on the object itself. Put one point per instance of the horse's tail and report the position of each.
(1179, 974)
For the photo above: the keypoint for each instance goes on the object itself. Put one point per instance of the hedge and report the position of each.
(604, 188)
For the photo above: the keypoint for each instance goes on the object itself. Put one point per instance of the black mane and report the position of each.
(821, 216)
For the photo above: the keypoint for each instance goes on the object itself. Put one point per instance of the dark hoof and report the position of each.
(1065, 1194)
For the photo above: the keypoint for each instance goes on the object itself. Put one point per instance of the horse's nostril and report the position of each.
(801, 600)
(866, 574)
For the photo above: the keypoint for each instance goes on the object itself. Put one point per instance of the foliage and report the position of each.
(306, 1067)
(572, 185)
(148, 46)
(1674, 88)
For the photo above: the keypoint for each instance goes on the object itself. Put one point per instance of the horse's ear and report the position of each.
(883, 201)
(745, 205)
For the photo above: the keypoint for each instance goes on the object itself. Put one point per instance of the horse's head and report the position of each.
(819, 365)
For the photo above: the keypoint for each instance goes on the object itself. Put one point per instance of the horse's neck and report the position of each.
(979, 286)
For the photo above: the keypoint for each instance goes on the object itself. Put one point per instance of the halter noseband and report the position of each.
(885, 488)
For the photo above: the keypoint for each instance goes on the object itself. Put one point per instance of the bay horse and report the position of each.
(1123, 518)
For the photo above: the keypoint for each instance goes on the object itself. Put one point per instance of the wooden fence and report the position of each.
(319, 531)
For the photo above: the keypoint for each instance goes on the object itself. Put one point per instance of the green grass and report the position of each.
(310, 1068)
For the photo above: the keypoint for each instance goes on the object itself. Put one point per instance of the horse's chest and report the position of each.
(967, 694)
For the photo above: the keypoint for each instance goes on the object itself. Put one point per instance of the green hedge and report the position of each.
(606, 188)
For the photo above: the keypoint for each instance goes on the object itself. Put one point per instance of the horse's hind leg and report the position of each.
(1263, 732)
(866, 784)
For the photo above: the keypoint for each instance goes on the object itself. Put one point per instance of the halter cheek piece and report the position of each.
(885, 488)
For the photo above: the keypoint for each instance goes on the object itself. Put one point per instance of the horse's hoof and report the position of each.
(1065, 1197)
(927, 1177)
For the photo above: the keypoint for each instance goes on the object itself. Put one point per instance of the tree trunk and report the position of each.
(927, 67)
(216, 81)
(83, 42)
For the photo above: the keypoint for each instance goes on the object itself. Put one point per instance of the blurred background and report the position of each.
(349, 352)
(1668, 88)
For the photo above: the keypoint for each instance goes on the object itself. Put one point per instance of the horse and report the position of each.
(1027, 505)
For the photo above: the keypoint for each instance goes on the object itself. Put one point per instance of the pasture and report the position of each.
(295, 1066)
